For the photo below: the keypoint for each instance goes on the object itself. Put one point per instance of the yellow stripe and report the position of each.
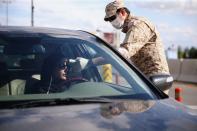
(107, 76)
(107, 73)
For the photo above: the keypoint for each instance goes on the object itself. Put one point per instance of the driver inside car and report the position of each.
(59, 72)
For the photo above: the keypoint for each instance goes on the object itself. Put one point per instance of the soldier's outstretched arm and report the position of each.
(136, 38)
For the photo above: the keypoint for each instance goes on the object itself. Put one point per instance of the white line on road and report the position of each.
(193, 107)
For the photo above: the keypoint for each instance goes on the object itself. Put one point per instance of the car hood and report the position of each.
(119, 115)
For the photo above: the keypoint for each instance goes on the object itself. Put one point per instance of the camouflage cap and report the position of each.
(112, 7)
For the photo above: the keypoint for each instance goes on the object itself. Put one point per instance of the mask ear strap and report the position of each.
(49, 87)
(69, 69)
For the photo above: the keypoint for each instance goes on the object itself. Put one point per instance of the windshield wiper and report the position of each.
(70, 101)
(52, 102)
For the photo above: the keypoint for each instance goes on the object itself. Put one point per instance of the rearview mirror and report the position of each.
(163, 82)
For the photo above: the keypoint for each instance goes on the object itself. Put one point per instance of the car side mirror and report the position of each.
(163, 82)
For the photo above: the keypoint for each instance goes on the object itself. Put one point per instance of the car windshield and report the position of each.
(35, 67)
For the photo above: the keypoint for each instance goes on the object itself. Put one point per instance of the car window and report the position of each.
(72, 66)
(107, 71)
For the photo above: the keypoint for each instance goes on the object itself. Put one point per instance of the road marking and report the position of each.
(193, 107)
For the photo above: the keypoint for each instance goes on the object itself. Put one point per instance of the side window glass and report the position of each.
(111, 75)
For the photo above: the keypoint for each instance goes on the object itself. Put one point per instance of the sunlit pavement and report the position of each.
(188, 93)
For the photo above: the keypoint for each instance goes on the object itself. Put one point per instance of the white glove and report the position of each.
(78, 64)
(82, 61)
(124, 52)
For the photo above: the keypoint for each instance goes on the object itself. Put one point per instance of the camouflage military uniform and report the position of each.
(144, 46)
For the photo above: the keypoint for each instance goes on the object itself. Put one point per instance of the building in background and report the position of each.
(113, 38)
(171, 52)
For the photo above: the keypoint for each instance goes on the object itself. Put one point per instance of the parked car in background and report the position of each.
(57, 79)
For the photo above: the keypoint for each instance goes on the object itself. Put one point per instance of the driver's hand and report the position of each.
(78, 64)
(82, 62)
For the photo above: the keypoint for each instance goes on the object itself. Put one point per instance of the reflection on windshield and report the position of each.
(114, 109)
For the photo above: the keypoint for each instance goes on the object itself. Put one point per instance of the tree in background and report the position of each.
(193, 53)
(187, 53)
(180, 52)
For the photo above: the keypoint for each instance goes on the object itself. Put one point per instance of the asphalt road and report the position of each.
(188, 93)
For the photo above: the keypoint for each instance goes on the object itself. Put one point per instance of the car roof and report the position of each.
(39, 31)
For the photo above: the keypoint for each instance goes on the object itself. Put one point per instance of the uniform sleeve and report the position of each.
(136, 38)
(124, 52)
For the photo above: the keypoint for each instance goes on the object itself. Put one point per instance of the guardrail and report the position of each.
(183, 69)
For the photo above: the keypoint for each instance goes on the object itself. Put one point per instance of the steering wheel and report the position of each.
(68, 83)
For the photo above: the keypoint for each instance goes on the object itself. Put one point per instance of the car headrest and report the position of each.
(27, 63)
(3, 68)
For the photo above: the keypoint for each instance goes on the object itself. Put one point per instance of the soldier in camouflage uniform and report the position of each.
(142, 44)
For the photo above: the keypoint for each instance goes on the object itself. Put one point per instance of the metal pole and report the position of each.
(7, 13)
(32, 13)
(7, 10)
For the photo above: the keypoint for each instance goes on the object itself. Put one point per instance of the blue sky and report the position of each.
(175, 19)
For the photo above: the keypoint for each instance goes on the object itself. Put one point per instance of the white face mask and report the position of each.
(117, 23)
